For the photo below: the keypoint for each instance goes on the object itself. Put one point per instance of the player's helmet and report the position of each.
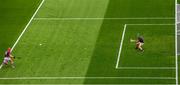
(9, 50)
(141, 39)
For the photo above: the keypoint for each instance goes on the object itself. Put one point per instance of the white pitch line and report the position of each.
(87, 84)
(72, 78)
(176, 58)
(150, 24)
(158, 68)
(121, 44)
(27, 25)
(140, 18)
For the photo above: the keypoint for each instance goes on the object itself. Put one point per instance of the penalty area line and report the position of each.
(138, 18)
(27, 25)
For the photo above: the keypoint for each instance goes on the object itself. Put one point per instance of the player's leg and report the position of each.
(5, 62)
(12, 62)
(140, 47)
(137, 45)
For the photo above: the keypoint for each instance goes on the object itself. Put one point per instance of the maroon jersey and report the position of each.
(7, 54)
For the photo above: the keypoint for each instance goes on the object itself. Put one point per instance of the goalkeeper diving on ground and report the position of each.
(139, 43)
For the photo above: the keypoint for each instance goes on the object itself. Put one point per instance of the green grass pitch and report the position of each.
(78, 42)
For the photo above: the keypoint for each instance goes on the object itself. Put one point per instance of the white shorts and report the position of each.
(6, 59)
(140, 43)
